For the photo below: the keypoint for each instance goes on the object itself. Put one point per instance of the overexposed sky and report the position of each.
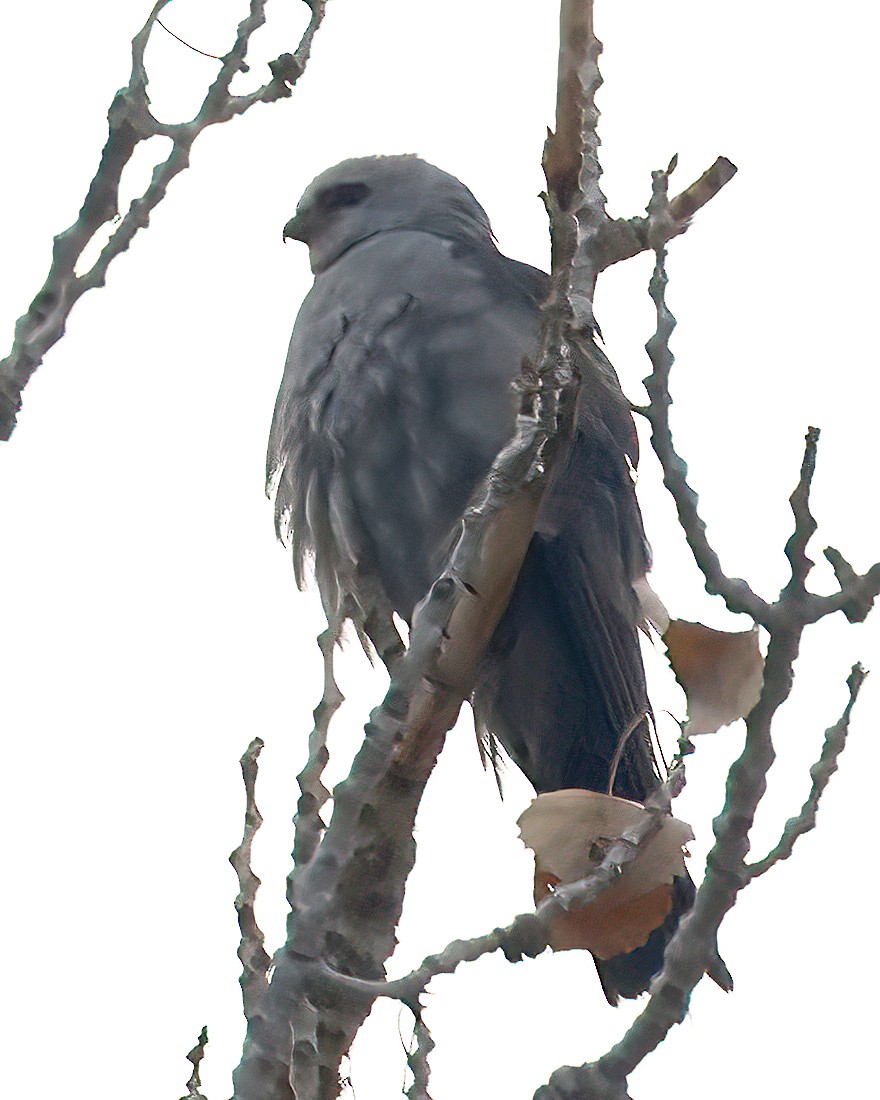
(149, 624)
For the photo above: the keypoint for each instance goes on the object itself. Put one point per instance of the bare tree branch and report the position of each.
(313, 793)
(857, 591)
(735, 592)
(575, 203)
(131, 122)
(527, 935)
(194, 1084)
(254, 959)
(417, 1059)
(690, 951)
(622, 238)
(805, 525)
(821, 772)
(347, 899)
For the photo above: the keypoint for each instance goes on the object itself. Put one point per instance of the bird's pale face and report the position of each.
(331, 220)
(362, 197)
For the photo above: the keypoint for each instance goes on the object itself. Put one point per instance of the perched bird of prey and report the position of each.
(396, 397)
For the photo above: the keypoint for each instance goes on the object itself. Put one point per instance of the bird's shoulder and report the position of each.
(405, 302)
(446, 276)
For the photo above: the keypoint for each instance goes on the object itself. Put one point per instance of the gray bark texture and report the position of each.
(346, 887)
(346, 891)
(131, 122)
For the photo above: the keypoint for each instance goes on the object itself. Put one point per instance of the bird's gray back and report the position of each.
(395, 399)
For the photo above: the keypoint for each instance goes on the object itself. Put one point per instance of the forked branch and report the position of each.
(131, 122)
(727, 872)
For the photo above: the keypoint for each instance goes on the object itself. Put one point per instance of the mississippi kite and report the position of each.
(396, 397)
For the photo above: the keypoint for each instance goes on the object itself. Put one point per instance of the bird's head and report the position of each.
(368, 195)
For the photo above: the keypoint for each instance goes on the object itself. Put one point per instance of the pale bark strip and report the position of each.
(253, 956)
(346, 901)
(304, 1076)
(575, 203)
(131, 122)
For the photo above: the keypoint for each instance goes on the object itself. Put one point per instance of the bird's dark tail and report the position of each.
(630, 975)
(561, 685)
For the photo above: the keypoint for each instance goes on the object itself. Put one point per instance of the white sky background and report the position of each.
(150, 624)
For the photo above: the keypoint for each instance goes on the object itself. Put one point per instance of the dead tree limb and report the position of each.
(131, 122)
(727, 872)
(346, 899)
(251, 952)
(821, 772)
(195, 1056)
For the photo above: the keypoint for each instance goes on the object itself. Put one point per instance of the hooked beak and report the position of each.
(297, 229)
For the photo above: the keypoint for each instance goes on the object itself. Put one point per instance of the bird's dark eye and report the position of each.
(342, 195)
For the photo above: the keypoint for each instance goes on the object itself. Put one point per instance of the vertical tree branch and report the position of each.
(347, 900)
(195, 1056)
(313, 793)
(254, 959)
(735, 592)
(805, 526)
(691, 949)
(575, 203)
(417, 1059)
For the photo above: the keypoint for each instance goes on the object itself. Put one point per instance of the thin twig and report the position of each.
(693, 945)
(254, 959)
(313, 793)
(620, 239)
(804, 523)
(194, 1084)
(417, 1059)
(736, 593)
(821, 772)
(131, 122)
(527, 934)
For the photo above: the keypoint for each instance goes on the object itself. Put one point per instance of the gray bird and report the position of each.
(396, 397)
